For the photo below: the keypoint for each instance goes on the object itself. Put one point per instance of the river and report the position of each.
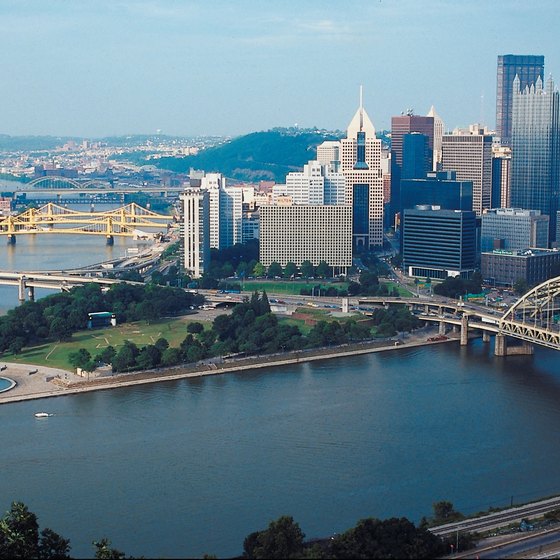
(183, 468)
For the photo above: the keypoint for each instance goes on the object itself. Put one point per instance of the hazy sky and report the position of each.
(228, 67)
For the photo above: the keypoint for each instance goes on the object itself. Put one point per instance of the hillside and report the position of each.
(259, 156)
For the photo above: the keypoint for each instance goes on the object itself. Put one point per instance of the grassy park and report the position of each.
(55, 354)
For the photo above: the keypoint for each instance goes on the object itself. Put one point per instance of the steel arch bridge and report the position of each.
(126, 221)
(536, 316)
(63, 183)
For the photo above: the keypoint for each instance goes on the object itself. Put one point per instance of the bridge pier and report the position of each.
(11, 239)
(31, 293)
(501, 347)
(441, 327)
(464, 330)
(485, 336)
(21, 289)
(110, 240)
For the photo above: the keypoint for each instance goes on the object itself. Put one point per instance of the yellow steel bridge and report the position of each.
(126, 221)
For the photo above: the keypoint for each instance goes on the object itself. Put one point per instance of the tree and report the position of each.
(19, 536)
(282, 539)
(390, 538)
(274, 270)
(444, 512)
(520, 286)
(290, 270)
(103, 550)
(60, 329)
(259, 270)
(323, 269)
(307, 269)
(195, 327)
(80, 358)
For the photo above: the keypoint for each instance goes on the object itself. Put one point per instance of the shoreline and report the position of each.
(39, 388)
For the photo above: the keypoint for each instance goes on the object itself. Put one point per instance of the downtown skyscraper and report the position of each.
(535, 162)
(528, 68)
(360, 162)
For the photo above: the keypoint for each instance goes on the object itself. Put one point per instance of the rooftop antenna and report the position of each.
(361, 108)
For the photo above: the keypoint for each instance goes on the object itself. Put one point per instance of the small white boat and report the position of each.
(42, 415)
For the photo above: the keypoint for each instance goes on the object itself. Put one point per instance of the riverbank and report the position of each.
(50, 382)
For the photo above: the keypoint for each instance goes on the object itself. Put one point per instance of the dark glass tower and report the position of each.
(528, 68)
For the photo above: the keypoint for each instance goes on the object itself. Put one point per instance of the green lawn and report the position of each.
(288, 287)
(55, 354)
(403, 292)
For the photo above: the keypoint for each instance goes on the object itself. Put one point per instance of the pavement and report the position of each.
(39, 383)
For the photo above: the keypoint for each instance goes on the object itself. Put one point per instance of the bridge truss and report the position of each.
(536, 316)
(126, 221)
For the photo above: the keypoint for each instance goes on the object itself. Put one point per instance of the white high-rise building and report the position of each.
(195, 231)
(438, 135)
(307, 187)
(226, 211)
(361, 165)
(317, 184)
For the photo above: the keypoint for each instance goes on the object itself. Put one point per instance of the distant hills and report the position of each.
(259, 156)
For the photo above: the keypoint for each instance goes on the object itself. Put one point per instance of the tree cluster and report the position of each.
(370, 538)
(456, 287)
(369, 285)
(57, 316)
(396, 318)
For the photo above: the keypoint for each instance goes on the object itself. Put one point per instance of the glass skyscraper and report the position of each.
(528, 68)
(535, 160)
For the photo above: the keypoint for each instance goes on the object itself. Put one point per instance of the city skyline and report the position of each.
(95, 69)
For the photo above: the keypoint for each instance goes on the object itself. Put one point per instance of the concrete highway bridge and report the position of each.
(533, 319)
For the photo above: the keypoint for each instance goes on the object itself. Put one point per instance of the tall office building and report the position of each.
(360, 163)
(226, 211)
(535, 159)
(401, 125)
(501, 177)
(416, 158)
(469, 153)
(295, 234)
(438, 134)
(528, 68)
(439, 243)
(195, 231)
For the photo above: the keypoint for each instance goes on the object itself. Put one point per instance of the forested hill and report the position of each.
(259, 156)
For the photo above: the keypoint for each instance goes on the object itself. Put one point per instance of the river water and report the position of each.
(183, 468)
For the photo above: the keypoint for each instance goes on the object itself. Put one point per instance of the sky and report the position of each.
(94, 68)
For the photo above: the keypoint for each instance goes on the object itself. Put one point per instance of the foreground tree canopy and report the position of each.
(283, 538)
